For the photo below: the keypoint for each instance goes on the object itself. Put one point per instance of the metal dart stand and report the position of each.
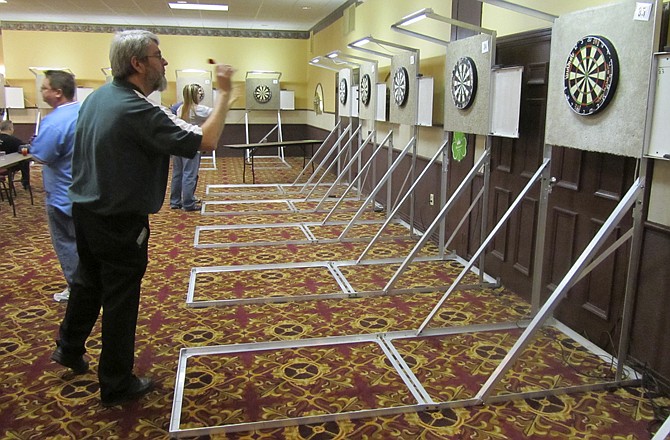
(643, 35)
(406, 63)
(297, 201)
(392, 346)
(467, 114)
(331, 62)
(302, 233)
(263, 94)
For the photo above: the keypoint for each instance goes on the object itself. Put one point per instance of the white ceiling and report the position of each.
(284, 15)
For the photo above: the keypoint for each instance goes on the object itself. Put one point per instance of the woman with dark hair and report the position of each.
(184, 170)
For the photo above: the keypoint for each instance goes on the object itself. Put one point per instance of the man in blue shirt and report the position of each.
(53, 148)
(120, 168)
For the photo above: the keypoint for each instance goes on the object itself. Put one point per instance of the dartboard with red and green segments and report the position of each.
(591, 75)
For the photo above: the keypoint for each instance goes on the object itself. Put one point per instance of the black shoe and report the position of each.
(76, 363)
(140, 387)
(195, 207)
(175, 206)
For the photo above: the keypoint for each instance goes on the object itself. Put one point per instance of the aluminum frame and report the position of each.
(333, 267)
(305, 227)
(385, 342)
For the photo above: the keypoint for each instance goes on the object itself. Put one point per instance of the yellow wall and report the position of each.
(86, 53)
(507, 22)
(24, 49)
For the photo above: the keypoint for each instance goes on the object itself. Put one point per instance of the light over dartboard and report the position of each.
(591, 75)
(464, 83)
(262, 94)
(400, 86)
(365, 89)
(343, 91)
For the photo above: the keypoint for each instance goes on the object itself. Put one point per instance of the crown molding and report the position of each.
(158, 30)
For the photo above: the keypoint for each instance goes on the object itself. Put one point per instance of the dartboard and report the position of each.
(365, 89)
(464, 83)
(591, 75)
(262, 94)
(400, 86)
(343, 91)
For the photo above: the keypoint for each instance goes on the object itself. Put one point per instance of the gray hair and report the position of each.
(6, 125)
(125, 46)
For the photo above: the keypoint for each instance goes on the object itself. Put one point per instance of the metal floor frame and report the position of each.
(589, 259)
(291, 202)
(423, 399)
(208, 161)
(304, 227)
(333, 269)
(404, 262)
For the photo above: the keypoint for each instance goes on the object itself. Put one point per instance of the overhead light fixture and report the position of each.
(358, 44)
(521, 9)
(361, 42)
(411, 20)
(198, 7)
(428, 13)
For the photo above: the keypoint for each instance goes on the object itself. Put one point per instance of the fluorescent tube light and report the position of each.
(361, 42)
(198, 7)
(413, 20)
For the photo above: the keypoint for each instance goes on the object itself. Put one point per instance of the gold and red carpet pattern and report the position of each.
(40, 400)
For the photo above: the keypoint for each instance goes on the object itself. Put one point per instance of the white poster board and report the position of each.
(506, 101)
(14, 97)
(353, 92)
(82, 93)
(382, 100)
(659, 132)
(286, 100)
(426, 85)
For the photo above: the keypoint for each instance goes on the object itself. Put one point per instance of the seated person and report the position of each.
(11, 144)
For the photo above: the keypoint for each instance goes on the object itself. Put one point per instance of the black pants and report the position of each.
(112, 261)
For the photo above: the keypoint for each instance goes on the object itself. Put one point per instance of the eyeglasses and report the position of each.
(158, 55)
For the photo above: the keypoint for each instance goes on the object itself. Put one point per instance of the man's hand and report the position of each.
(224, 74)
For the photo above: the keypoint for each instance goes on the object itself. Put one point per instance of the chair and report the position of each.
(6, 189)
(12, 179)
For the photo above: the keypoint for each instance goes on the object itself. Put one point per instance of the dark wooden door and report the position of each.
(589, 185)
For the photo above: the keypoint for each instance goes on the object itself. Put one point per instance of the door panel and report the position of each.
(587, 188)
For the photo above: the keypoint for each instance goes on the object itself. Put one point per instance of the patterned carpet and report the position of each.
(39, 400)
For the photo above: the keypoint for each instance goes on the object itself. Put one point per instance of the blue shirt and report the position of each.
(53, 147)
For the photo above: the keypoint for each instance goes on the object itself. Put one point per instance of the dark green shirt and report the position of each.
(122, 151)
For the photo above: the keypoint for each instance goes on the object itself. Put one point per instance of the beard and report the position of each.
(163, 84)
(158, 82)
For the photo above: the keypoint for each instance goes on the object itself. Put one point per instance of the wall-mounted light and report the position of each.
(428, 13)
(361, 42)
(411, 19)
(358, 45)
(326, 63)
(521, 9)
